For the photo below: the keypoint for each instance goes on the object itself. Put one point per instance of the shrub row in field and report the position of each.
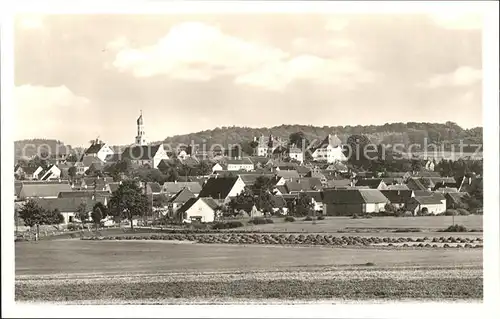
(320, 240)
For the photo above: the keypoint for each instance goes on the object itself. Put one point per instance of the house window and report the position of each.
(71, 218)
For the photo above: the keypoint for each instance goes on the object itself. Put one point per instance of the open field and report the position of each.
(335, 224)
(119, 271)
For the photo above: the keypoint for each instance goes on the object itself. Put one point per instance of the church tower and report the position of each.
(140, 139)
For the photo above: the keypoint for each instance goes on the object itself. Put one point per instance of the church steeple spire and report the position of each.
(140, 139)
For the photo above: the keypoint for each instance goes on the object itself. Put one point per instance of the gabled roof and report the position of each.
(141, 152)
(242, 161)
(89, 160)
(370, 182)
(208, 200)
(288, 174)
(447, 190)
(397, 187)
(337, 166)
(282, 189)
(65, 204)
(426, 200)
(29, 169)
(456, 198)
(113, 157)
(182, 196)
(318, 175)
(218, 187)
(294, 150)
(331, 140)
(425, 173)
(353, 196)
(304, 184)
(175, 187)
(339, 183)
(415, 184)
(82, 194)
(259, 159)
(94, 148)
(302, 169)
(43, 190)
(398, 196)
(249, 179)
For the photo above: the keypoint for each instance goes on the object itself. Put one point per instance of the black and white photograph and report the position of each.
(192, 157)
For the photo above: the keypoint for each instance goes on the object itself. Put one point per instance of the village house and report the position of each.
(330, 150)
(172, 188)
(97, 196)
(179, 199)
(27, 172)
(296, 186)
(337, 167)
(340, 183)
(145, 155)
(240, 164)
(455, 200)
(288, 175)
(201, 209)
(68, 207)
(296, 154)
(416, 185)
(345, 202)
(222, 189)
(398, 198)
(51, 173)
(426, 205)
(373, 183)
(317, 200)
(99, 150)
(217, 167)
(398, 187)
(45, 190)
(267, 146)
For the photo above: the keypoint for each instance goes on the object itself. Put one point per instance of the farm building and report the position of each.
(426, 205)
(398, 198)
(373, 183)
(317, 200)
(172, 188)
(66, 206)
(222, 188)
(179, 199)
(456, 200)
(46, 190)
(279, 205)
(202, 209)
(240, 164)
(338, 202)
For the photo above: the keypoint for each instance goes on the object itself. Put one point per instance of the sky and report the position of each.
(78, 77)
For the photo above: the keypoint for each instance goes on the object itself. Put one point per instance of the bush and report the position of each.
(456, 229)
(227, 225)
(72, 227)
(321, 217)
(269, 221)
(289, 219)
(451, 212)
(308, 219)
(463, 212)
(260, 221)
(355, 216)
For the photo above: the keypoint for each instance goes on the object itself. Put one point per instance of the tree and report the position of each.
(128, 201)
(299, 140)
(82, 213)
(253, 145)
(31, 213)
(304, 205)
(357, 144)
(35, 215)
(204, 168)
(99, 212)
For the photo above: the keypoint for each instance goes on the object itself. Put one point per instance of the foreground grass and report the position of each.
(347, 289)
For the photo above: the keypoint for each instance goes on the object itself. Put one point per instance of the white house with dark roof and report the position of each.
(222, 189)
(240, 164)
(296, 153)
(145, 155)
(201, 209)
(27, 172)
(99, 149)
(267, 145)
(51, 173)
(330, 150)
